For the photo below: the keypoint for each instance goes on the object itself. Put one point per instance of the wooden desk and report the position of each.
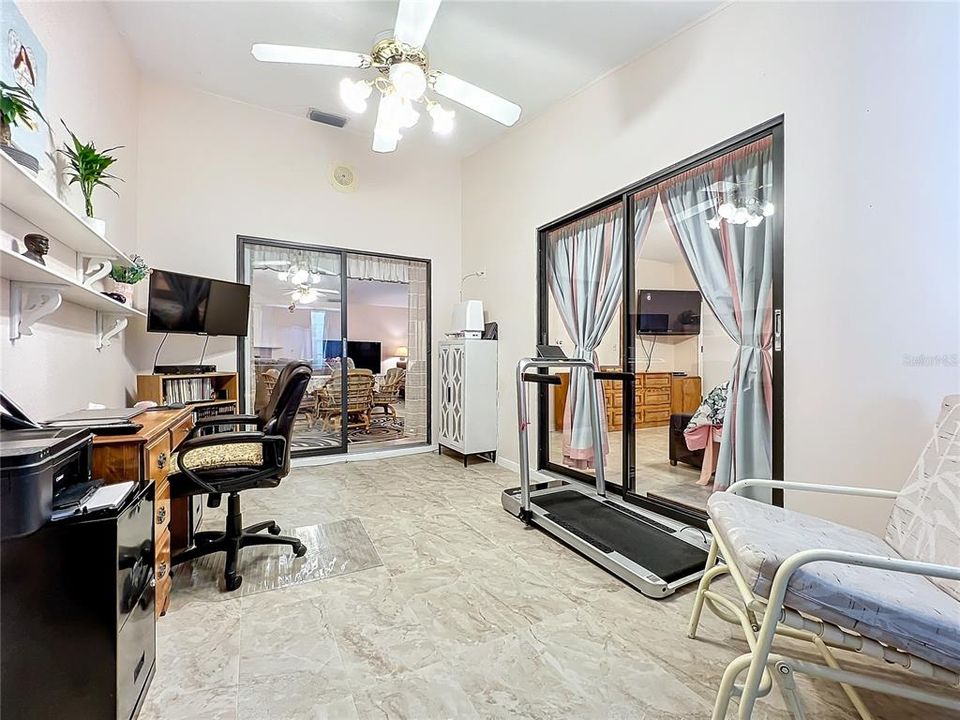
(144, 457)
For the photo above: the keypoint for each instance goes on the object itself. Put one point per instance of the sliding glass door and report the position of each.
(297, 304)
(583, 275)
(361, 321)
(685, 296)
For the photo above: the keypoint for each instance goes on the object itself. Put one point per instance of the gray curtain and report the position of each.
(585, 275)
(643, 206)
(733, 266)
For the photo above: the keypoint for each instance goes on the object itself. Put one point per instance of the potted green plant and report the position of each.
(124, 277)
(16, 107)
(88, 167)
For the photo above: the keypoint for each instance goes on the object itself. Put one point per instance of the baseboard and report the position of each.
(508, 464)
(514, 467)
(361, 456)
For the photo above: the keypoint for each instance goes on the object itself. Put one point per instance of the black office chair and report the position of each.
(213, 423)
(231, 462)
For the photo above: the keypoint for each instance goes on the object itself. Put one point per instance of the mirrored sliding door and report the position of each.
(582, 274)
(362, 323)
(297, 314)
(676, 281)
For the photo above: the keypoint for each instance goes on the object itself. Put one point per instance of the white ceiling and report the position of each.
(268, 289)
(534, 52)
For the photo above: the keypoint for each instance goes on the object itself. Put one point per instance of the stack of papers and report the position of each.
(107, 497)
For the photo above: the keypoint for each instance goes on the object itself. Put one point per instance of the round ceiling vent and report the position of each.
(343, 178)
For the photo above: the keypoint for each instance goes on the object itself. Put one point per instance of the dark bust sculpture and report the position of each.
(37, 246)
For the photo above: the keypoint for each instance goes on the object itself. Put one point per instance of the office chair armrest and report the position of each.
(212, 420)
(276, 444)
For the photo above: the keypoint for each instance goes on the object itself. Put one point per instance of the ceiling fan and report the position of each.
(405, 78)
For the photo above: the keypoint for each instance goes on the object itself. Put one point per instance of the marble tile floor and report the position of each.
(468, 615)
(655, 474)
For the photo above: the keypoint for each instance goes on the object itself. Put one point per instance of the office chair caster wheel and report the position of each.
(273, 529)
(232, 583)
(300, 550)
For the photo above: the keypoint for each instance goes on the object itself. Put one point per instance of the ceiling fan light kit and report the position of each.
(405, 78)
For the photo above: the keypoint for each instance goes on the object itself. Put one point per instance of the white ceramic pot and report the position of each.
(125, 289)
(98, 226)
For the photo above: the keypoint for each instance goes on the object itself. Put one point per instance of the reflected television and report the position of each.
(668, 312)
(365, 354)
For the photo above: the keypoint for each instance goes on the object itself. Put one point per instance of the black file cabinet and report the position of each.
(77, 623)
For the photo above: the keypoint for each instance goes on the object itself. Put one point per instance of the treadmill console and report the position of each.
(551, 352)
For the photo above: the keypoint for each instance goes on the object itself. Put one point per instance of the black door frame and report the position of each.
(244, 240)
(624, 198)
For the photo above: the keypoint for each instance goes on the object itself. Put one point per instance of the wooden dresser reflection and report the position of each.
(657, 396)
(145, 457)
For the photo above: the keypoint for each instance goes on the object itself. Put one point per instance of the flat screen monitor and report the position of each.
(668, 312)
(365, 354)
(197, 305)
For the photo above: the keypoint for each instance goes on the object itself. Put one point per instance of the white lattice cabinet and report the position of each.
(468, 396)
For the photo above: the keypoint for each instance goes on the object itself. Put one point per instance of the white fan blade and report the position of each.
(493, 106)
(414, 18)
(265, 52)
(385, 134)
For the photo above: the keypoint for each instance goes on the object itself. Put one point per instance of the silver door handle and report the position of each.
(777, 330)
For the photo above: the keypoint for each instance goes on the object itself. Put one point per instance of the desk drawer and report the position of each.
(162, 570)
(179, 432)
(163, 595)
(158, 459)
(161, 514)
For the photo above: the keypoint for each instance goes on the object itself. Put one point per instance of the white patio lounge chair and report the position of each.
(896, 598)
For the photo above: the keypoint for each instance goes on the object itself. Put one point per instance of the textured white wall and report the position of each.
(870, 98)
(93, 85)
(212, 169)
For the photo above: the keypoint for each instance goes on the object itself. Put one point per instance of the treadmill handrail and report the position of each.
(523, 421)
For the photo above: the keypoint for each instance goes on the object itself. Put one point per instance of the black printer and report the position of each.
(77, 594)
(34, 466)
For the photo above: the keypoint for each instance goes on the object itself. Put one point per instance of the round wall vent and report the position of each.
(343, 178)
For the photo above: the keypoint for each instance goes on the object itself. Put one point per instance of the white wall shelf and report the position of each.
(21, 193)
(37, 291)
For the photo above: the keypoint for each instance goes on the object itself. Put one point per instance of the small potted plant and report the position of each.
(88, 167)
(16, 106)
(124, 277)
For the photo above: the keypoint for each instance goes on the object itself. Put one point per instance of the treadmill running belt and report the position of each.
(609, 530)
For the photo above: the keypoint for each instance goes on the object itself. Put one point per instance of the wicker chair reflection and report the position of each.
(307, 412)
(388, 394)
(270, 381)
(359, 401)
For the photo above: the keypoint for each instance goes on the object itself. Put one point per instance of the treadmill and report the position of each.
(654, 554)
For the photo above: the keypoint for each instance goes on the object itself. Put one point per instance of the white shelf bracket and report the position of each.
(91, 268)
(30, 302)
(109, 326)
